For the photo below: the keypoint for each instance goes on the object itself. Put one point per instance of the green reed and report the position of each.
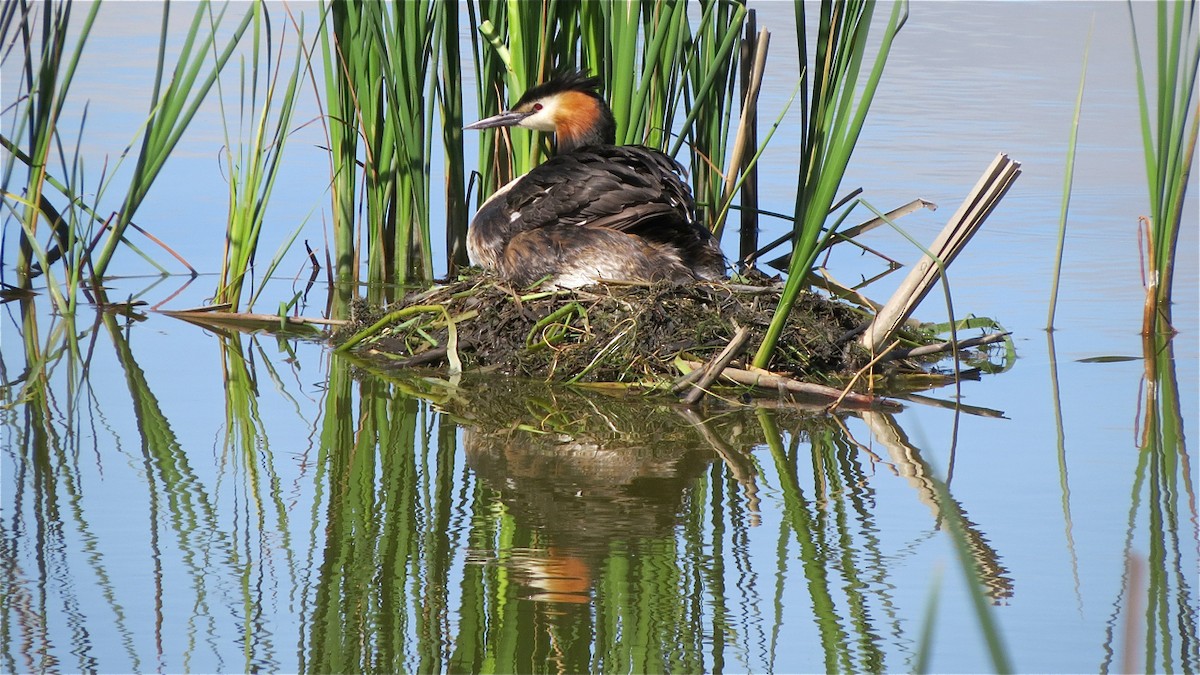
(378, 61)
(1068, 179)
(49, 57)
(836, 96)
(1169, 128)
(264, 113)
(173, 105)
(450, 105)
(709, 97)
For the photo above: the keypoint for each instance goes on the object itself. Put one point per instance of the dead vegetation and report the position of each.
(648, 335)
(603, 333)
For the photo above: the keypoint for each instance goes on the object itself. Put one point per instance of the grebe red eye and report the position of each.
(537, 107)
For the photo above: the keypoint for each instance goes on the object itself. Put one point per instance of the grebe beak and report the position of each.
(510, 118)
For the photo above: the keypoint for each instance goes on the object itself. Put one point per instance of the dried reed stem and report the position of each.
(715, 367)
(963, 225)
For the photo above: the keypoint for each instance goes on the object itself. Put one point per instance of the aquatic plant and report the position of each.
(173, 105)
(380, 97)
(1068, 178)
(48, 68)
(836, 95)
(47, 71)
(266, 110)
(1169, 127)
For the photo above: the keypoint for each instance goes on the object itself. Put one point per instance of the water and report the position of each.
(181, 499)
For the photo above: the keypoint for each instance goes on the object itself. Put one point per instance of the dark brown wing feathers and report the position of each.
(608, 211)
(624, 188)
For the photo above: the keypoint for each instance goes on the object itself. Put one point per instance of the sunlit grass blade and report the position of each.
(1068, 178)
(710, 101)
(1170, 121)
(39, 95)
(173, 106)
(252, 172)
(341, 130)
(450, 102)
(378, 62)
(835, 107)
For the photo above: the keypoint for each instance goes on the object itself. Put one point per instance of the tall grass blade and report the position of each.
(342, 133)
(173, 105)
(1170, 121)
(252, 172)
(834, 107)
(378, 63)
(450, 102)
(1068, 179)
(47, 71)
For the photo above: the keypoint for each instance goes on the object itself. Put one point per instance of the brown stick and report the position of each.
(849, 385)
(764, 380)
(714, 368)
(216, 314)
(963, 225)
(925, 350)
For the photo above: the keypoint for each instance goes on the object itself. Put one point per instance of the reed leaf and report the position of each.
(1170, 121)
(834, 107)
(47, 71)
(252, 172)
(449, 97)
(341, 130)
(173, 105)
(380, 62)
(1068, 179)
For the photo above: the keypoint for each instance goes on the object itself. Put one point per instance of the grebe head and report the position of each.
(568, 105)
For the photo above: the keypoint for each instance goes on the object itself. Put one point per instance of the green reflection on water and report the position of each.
(1157, 600)
(490, 525)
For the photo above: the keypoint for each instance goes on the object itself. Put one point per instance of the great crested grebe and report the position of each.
(593, 211)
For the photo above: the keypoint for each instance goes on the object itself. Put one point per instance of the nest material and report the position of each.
(608, 332)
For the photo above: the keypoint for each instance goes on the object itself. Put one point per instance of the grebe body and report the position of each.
(595, 211)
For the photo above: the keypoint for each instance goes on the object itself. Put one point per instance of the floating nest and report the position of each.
(607, 333)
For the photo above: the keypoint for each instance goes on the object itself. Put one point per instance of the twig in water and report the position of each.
(846, 392)
(714, 368)
(925, 350)
(770, 381)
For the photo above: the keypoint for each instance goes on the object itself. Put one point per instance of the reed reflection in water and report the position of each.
(335, 516)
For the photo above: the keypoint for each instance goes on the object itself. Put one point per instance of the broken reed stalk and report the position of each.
(926, 350)
(963, 225)
(748, 230)
(739, 158)
(221, 314)
(715, 367)
(770, 381)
